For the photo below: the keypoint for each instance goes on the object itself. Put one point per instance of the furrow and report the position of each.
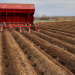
(0, 55)
(18, 64)
(56, 52)
(60, 37)
(41, 62)
(64, 45)
(60, 32)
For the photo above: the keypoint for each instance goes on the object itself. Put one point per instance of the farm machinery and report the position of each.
(17, 15)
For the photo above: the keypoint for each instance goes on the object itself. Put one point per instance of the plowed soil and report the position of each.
(48, 52)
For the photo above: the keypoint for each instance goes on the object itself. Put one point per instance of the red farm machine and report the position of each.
(17, 15)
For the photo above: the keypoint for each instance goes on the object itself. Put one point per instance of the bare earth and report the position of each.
(48, 52)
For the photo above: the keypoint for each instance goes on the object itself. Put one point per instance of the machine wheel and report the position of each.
(4, 23)
(34, 26)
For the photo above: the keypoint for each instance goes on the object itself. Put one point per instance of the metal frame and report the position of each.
(17, 15)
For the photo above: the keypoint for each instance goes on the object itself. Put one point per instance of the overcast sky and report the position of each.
(49, 7)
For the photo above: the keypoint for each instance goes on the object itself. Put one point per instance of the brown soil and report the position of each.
(0, 55)
(62, 33)
(63, 26)
(15, 62)
(48, 52)
(64, 45)
(43, 64)
(60, 37)
(56, 52)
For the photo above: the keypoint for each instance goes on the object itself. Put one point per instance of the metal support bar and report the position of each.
(6, 16)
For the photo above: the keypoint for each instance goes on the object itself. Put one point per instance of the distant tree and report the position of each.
(44, 16)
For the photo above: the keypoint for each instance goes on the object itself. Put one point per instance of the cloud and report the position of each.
(57, 9)
(39, 2)
(49, 7)
(36, 2)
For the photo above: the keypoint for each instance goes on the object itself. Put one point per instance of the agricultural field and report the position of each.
(48, 52)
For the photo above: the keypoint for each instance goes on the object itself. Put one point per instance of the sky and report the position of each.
(49, 7)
